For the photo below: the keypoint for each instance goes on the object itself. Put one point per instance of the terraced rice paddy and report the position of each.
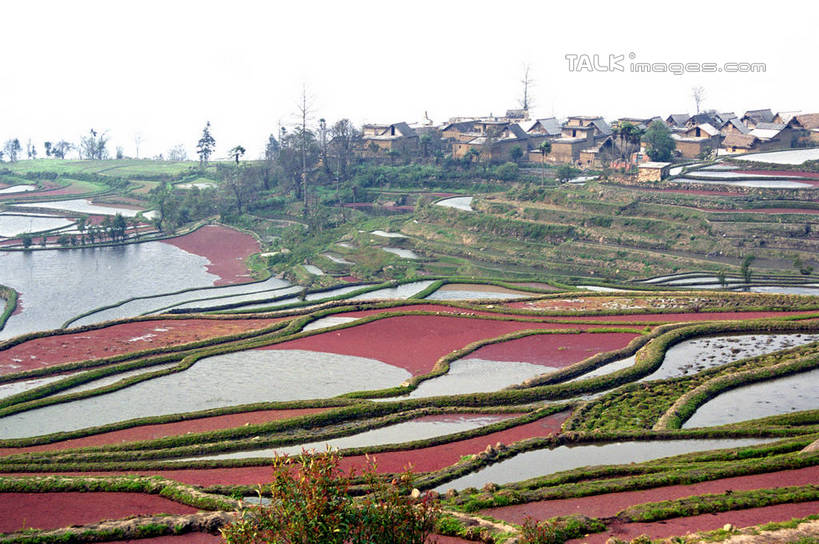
(477, 395)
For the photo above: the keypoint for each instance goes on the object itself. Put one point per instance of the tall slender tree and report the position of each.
(205, 146)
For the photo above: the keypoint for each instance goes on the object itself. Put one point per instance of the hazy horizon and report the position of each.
(163, 70)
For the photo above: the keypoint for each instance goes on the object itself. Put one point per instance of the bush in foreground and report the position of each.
(311, 503)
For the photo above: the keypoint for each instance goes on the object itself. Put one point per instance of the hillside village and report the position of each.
(590, 141)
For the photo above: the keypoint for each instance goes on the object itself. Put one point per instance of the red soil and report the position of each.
(555, 350)
(226, 249)
(119, 339)
(431, 458)
(55, 510)
(703, 522)
(150, 432)
(187, 538)
(608, 505)
(438, 457)
(415, 343)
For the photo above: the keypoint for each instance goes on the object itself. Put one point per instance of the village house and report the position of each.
(397, 137)
(539, 131)
(784, 117)
(493, 141)
(697, 141)
(677, 120)
(753, 117)
(806, 128)
(734, 126)
(580, 133)
(765, 137)
(653, 171)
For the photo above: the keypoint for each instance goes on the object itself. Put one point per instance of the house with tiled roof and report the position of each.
(677, 120)
(697, 140)
(398, 137)
(751, 118)
(806, 127)
(580, 132)
(493, 141)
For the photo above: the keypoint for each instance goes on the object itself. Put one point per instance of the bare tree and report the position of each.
(526, 102)
(305, 111)
(698, 93)
(137, 141)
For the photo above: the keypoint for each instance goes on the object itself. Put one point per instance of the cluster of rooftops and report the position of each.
(587, 140)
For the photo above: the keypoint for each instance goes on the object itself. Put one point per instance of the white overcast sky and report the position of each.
(163, 68)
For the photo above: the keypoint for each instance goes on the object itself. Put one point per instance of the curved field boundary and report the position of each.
(651, 356)
(646, 362)
(609, 504)
(687, 404)
(9, 298)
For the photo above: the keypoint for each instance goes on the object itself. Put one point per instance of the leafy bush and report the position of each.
(311, 503)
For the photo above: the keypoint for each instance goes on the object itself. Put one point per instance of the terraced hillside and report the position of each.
(515, 412)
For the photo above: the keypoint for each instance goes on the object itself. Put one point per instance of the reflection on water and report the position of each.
(542, 462)
(56, 285)
(465, 294)
(408, 431)
(403, 291)
(693, 356)
(478, 376)
(202, 297)
(13, 225)
(223, 380)
(81, 205)
(459, 203)
(403, 253)
(771, 398)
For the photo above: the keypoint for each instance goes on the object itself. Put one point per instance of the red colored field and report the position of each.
(415, 343)
(187, 538)
(610, 504)
(151, 432)
(444, 455)
(555, 350)
(432, 458)
(55, 510)
(703, 522)
(225, 248)
(119, 339)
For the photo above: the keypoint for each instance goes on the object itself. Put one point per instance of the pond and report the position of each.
(793, 156)
(807, 289)
(543, 462)
(478, 376)
(459, 203)
(337, 260)
(408, 431)
(608, 368)
(222, 380)
(313, 269)
(55, 285)
(759, 183)
(194, 298)
(18, 189)
(311, 297)
(403, 253)
(692, 356)
(80, 205)
(329, 321)
(770, 398)
(402, 291)
(384, 234)
(735, 175)
(13, 225)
